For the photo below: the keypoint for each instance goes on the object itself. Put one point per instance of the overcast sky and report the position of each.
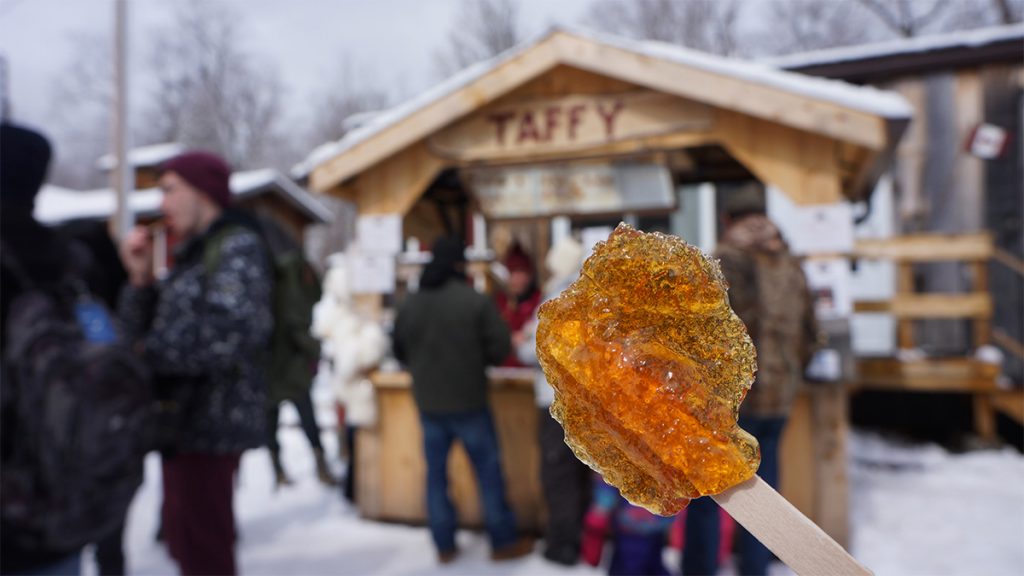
(391, 43)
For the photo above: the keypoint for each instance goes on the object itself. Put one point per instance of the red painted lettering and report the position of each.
(574, 119)
(609, 117)
(527, 129)
(500, 119)
(551, 115)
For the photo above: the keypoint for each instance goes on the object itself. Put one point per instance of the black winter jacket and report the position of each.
(210, 333)
(447, 336)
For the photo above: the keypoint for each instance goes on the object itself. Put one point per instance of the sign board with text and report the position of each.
(533, 191)
(579, 122)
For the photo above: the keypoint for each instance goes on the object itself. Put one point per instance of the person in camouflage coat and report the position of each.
(768, 291)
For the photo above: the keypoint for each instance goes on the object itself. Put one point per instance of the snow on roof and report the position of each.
(921, 44)
(389, 116)
(55, 205)
(253, 182)
(144, 155)
(867, 99)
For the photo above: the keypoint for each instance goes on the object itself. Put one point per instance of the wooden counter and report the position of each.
(391, 470)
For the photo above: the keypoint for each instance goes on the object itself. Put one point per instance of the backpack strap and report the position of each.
(213, 247)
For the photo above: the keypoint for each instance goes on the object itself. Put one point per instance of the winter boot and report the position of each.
(280, 478)
(323, 471)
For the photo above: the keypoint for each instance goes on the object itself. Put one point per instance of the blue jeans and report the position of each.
(700, 552)
(476, 432)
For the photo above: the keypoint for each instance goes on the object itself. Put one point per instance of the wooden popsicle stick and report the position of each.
(784, 530)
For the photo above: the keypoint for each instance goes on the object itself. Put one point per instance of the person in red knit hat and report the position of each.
(203, 332)
(518, 302)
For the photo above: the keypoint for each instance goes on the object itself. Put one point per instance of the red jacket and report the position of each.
(516, 314)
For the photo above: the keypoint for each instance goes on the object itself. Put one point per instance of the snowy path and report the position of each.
(916, 510)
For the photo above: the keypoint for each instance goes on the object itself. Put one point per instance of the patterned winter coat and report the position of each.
(768, 291)
(209, 334)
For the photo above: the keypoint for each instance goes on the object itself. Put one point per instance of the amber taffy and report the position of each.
(649, 366)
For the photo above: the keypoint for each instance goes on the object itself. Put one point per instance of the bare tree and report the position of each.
(803, 25)
(483, 29)
(907, 18)
(965, 15)
(208, 93)
(706, 25)
(343, 98)
(80, 113)
(1010, 11)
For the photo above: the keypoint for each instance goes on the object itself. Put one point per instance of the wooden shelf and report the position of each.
(934, 375)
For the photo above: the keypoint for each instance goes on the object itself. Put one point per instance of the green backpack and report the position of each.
(294, 352)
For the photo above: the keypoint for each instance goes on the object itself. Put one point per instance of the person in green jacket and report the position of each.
(447, 334)
(294, 352)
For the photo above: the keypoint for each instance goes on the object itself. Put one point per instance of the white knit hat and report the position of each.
(565, 258)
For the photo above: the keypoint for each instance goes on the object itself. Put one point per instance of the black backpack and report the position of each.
(81, 406)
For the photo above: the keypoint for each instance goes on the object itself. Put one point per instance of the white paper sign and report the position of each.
(830, 283)
(591, 236)
(826, 229)
(379, 234)
(371, 273)
(988, 141)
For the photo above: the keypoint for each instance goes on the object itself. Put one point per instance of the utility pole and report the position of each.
(124, 177)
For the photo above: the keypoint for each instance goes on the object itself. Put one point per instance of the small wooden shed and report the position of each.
(572, 99)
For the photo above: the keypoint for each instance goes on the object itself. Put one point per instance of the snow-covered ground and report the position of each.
(915, 509)
(918, 509)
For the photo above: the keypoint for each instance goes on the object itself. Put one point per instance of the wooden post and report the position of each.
(124, 181)
(831, 428)
(984, 415)
(982, 325)
(905, 286)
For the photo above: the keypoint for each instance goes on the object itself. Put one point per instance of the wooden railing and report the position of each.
(965, 374)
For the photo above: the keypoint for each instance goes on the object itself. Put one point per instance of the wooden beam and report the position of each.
(634, 147)
(393, 186)
(743, 95)
(1010, 403)
(1009, 260)
(800, 164)
(929, 306)
(1008, 343)
(927, 247)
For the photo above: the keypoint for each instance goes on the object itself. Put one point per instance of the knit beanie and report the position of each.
(448, 252)
(205, 171)
(518, 259)
(24, 159)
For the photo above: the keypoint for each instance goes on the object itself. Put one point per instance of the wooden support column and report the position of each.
(984, 416)
(982, 325)
(905, 286)
(831, 502)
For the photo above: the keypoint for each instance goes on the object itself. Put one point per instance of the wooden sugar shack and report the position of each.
(576, 131)
(950, 248)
